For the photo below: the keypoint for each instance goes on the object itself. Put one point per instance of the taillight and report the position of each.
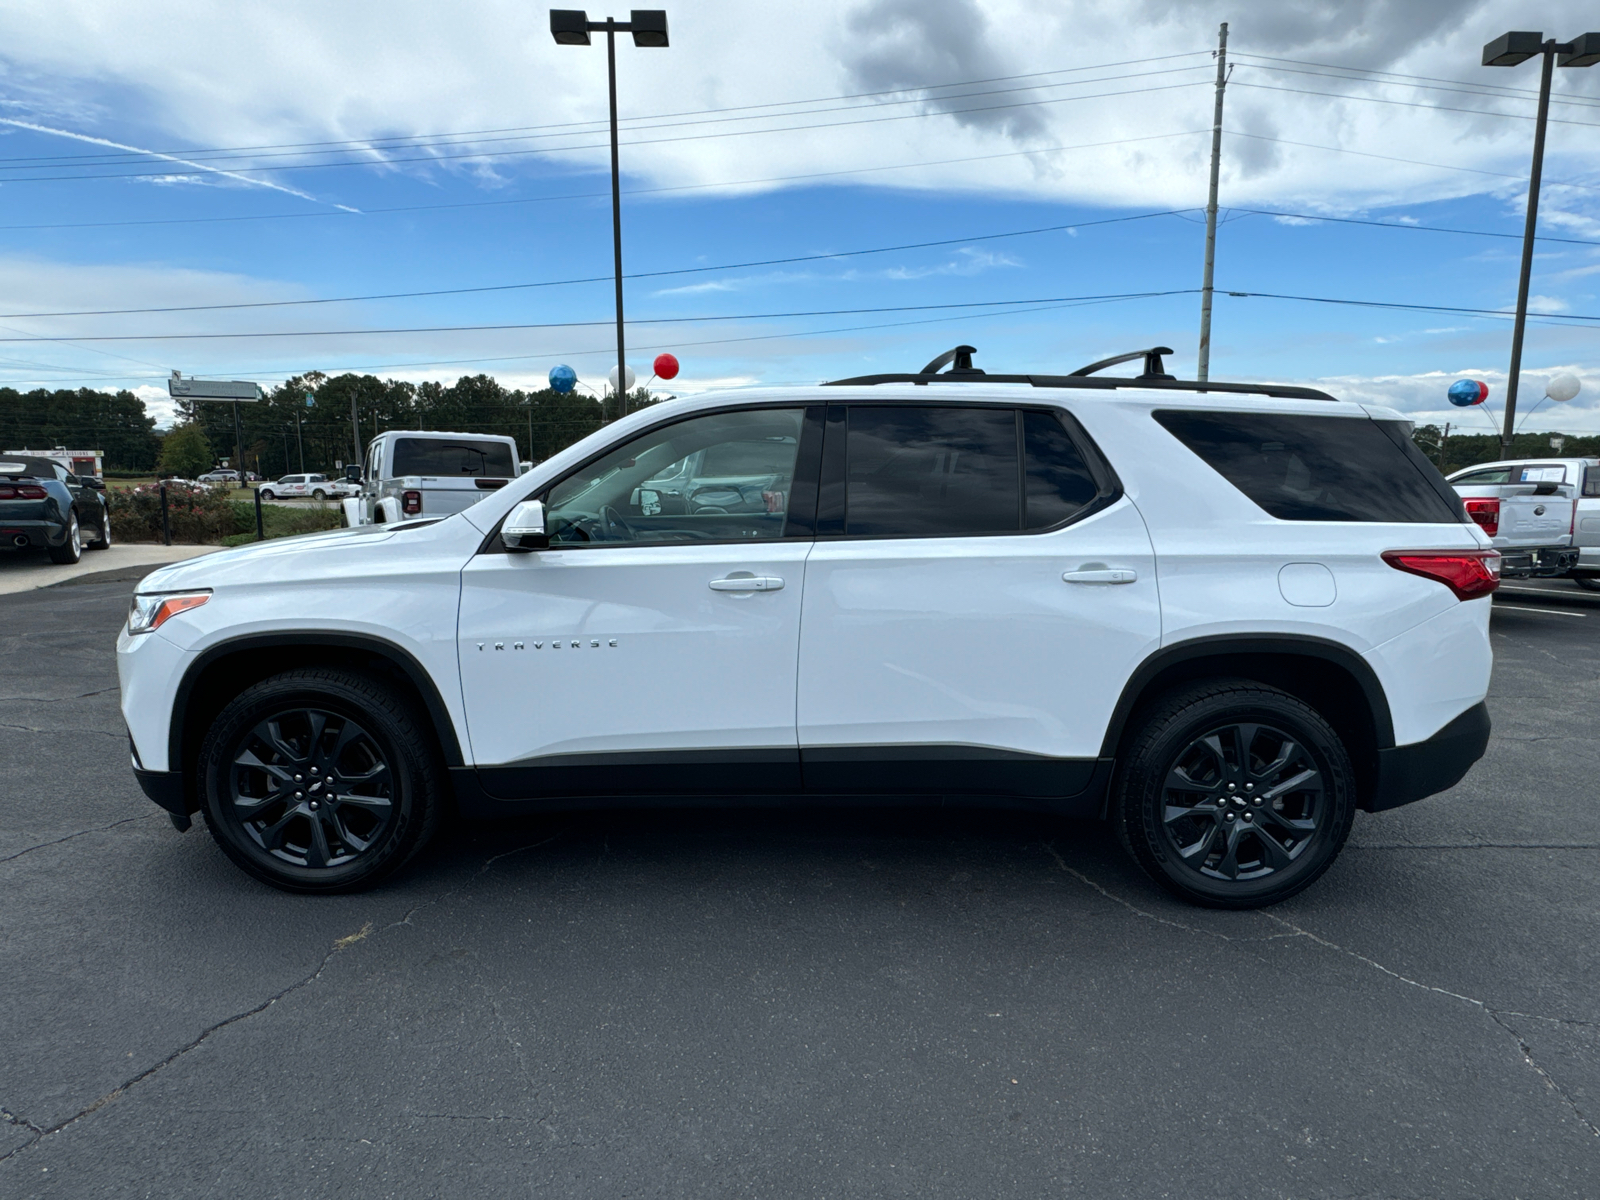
(1486, 512)
(411, 503)
(21, 491)
(1467, 573)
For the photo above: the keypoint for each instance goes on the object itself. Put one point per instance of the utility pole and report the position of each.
(299, 441)
(1203, 370)
(355, 429)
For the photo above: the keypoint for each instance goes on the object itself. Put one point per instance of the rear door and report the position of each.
(979, 592)
(1529, 518)
(1588, 525)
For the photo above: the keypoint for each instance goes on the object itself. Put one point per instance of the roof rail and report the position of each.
(1154, 376)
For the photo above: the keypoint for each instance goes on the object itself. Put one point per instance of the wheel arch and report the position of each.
(226, 669)
(1328, 676)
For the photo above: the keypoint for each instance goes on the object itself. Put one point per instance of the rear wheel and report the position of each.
(319, 495)
(320, 781)
(1235, 795)
(1589, 583)
(71, 550)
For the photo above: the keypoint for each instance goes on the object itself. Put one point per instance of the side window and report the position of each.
(1591, 481)
(1058, 480)
(1493, 475)
(725, 476)
(931, 472)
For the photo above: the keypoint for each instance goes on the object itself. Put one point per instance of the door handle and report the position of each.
(747, 583)
(1102, 575)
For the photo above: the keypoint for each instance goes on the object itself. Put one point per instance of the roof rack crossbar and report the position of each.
(1153, 368)
(1096, 383)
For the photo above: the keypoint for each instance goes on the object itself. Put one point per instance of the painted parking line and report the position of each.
(1543, 612)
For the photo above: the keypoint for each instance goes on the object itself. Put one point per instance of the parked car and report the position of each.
(1529, 509)
(410, 473)
(952, 598)
(318, 487)
(43, 505)
(223, 476)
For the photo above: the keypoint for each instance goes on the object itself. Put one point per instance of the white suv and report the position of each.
(1222, 616)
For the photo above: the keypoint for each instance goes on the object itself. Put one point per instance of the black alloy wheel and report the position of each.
(1235, 795)
(320, 781)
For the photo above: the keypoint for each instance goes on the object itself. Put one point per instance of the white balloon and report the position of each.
(1562, 388)
(627, 386)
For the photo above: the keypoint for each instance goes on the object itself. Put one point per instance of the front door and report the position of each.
(978, 595)
(647, 652)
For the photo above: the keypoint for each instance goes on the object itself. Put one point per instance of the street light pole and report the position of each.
(571, 27)
(1508, 50)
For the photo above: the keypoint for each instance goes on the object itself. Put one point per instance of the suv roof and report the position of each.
(962, 371)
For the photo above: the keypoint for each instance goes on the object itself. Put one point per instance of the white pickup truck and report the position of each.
(412, 473)
(1543, 515)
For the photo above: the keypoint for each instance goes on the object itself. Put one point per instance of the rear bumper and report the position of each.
(1408, 773)
(39, 534)
(1538, 562)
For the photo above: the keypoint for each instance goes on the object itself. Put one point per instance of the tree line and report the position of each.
(81, 419)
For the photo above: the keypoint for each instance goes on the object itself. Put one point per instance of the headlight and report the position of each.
(146, 614)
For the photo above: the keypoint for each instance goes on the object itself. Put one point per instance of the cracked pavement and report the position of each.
(918, 1003)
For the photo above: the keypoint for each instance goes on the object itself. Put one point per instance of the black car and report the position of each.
(42, 504)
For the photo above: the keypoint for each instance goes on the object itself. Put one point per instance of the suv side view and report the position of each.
(1220, 616)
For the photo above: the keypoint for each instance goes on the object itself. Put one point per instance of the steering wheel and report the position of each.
(613, 527)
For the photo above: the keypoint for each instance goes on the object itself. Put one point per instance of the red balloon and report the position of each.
(666, 366)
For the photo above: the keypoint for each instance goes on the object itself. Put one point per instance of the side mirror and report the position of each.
(353, 473)
(89, 481)
(523, 528)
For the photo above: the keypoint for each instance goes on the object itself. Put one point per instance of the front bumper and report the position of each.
(1408, 773)
(1538, 562)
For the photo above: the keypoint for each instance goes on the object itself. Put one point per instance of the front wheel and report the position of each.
(320, 781)
(268, 494)
(1235, 795)
(71, 550)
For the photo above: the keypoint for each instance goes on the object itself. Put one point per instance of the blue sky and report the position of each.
(1125, 87)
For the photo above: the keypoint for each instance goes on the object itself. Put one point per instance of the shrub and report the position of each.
(198, 514)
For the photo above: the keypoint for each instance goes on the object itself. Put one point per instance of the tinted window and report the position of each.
(723, 476)
(1319, 468)
(1591, 481)
(1058, 479)
(929, 472)
(466, 456)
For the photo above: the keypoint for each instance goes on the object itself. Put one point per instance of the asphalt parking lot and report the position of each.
(798, 1004)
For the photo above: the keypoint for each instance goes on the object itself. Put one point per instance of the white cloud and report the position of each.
(168, 69)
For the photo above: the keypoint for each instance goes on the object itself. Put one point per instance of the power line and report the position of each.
(506, 287)
(1476, 112)
(230, 157)
(1466, 90)
(368, 143)
(687, 187)
(1440, 308)
(1511, 92)
(1268, 212)
(824, 312)
(435, 158)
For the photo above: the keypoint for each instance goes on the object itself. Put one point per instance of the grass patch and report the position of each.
(278, 521)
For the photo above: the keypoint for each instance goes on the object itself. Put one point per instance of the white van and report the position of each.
(412, 473)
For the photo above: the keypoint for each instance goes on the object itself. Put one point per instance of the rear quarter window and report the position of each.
(462, 456)
(1312, 468)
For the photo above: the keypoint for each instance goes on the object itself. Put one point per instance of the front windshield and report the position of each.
(722, 476)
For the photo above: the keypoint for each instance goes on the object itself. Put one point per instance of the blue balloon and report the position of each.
(563, 378)
(1464, 393)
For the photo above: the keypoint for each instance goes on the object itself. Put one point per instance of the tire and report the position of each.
(103, 542)
(268, 494)
(71, 550)
(1237, 849)
(1589, 583)
(267, 754)
(319, 495)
